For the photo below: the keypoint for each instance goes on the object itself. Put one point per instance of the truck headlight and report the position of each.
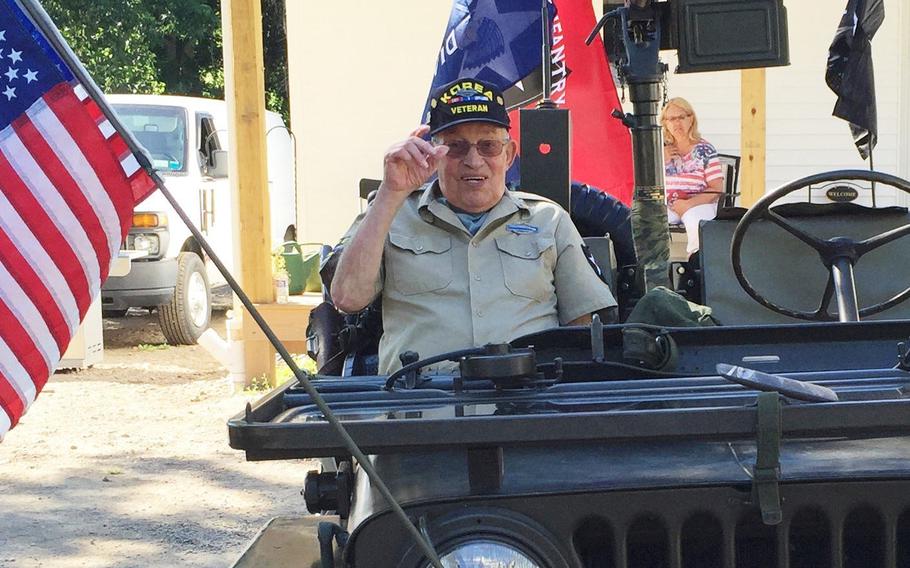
(144, 242)
(486, 554)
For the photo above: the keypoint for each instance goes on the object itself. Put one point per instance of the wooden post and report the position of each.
(244, 85)
(752, 136)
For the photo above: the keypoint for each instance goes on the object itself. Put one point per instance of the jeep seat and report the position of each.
(790, 273)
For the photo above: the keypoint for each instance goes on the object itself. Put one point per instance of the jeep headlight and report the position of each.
(486, 554)
(485, 537)
(148, 243)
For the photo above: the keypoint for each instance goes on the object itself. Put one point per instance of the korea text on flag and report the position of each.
(68, 185)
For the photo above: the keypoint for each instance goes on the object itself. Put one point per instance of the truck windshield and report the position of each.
(161, 129)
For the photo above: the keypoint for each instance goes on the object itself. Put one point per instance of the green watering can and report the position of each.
(302, 269)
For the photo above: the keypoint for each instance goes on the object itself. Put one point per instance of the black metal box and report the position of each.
(715, 35)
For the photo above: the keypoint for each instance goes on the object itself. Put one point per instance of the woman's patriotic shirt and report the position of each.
(687, 175)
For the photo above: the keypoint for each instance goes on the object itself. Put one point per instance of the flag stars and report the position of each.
(2, 35)
(31, 76)
(15, 56)
(10, 93)
(12, 74)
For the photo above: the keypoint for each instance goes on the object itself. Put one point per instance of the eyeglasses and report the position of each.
(486, 148)
(676, 118)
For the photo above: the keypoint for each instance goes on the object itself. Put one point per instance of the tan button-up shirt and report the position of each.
(444, 290)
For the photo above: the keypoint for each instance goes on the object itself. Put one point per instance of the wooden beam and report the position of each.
(752, 136)
(244, 85)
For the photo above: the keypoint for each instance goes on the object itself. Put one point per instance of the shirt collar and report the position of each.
(428, 203)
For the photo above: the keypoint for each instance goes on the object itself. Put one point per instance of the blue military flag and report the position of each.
(497, 41)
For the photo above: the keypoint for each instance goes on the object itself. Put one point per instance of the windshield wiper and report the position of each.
(800, 390)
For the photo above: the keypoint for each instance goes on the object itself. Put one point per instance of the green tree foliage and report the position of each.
(165, 46)
(275, 54)
(111, 38)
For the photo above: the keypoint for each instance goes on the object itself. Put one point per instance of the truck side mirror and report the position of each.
(218, 164)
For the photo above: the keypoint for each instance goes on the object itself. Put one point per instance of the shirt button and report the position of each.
(477, 277)
(479, 312)
(474, 244)
(420, 247)
(528, 253)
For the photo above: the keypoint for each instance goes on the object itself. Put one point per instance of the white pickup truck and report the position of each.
(186, 139)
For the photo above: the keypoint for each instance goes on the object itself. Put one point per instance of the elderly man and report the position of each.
(463, 262)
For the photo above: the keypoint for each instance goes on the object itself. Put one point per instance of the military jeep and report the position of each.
(780, 437)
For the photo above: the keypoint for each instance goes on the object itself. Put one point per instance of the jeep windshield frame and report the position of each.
(603, 404)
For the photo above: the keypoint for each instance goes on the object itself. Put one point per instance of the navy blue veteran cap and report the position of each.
(466, 100)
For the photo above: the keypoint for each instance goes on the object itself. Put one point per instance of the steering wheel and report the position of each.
(838, 254)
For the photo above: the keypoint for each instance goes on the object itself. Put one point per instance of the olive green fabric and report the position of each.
(443, 290)
(651, 233)
(661, 306)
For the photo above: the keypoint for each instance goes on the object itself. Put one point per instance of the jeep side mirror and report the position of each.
(217, 166)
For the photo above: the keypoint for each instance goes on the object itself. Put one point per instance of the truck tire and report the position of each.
(189, 313)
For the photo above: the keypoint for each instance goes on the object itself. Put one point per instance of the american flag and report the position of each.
(68, 185)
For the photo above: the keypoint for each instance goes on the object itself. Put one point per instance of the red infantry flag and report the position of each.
(68, 185)
(583, 83)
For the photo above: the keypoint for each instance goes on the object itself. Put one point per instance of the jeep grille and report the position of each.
(840, 525)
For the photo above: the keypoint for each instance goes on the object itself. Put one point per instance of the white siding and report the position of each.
(802, 135)
(359, 74)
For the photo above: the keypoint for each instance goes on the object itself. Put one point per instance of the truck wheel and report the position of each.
(188, 314)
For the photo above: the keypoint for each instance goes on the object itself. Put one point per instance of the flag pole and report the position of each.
(44, 23)
(871, 168)
(546, 56)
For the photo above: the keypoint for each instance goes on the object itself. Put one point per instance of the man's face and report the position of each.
(475, 182)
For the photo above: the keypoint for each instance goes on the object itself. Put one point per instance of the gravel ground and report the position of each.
(127, 463)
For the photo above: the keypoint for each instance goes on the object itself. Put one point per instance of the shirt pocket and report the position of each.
(527, 264)
(420, 264)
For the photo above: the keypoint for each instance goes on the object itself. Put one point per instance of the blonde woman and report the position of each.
(693, 173)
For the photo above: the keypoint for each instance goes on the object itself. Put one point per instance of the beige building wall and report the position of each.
(359, 73)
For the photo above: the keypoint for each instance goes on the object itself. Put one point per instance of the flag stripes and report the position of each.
(23, 244)
(69, 187)
(27, 171)
(18, 390)
(81, 139)
(140, 183)
(40, 227)
(22, 271)
(62, 182)
(5, 423)
(37, 350)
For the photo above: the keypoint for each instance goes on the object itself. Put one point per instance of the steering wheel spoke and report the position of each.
(873, 243)
(822, 312)
(813, 241)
